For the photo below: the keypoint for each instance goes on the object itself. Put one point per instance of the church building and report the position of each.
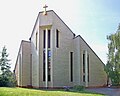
(55, 57)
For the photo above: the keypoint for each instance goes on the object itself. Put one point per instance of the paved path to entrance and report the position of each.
(106, 91)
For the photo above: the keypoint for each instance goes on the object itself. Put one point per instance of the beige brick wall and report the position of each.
(61, 61)
(18, 68)
(96, 67)
(35, 55)
(26, 63)
(77, 62)
(60, 57)
(22, 67)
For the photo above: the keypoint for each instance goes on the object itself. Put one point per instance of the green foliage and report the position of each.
(6, 76)
(112, 67)
(78, 88)
(4, 62)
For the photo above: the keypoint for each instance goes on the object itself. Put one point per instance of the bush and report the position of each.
(3, 81)
(66, 88)
(78, 88)
(8, 80)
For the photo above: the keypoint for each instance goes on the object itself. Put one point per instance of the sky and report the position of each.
(92, 19)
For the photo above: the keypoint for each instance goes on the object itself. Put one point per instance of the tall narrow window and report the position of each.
(44, 38)
(49, 38)
(36, 39)
(49, 65)
(46, 55)
(88, 66)
(83, 78)
(83, 62)
(44, 65)
(71, 66)
(57, 38)
(83, 67)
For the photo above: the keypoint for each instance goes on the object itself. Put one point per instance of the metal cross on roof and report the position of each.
(45, 7)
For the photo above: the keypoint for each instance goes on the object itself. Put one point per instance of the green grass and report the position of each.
(6, 91)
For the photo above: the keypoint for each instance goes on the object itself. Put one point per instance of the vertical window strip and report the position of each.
(57, 38)
(83, 78)
(71, 66)
(83, 67)
(88, 66)
(44, 65)
(49, 35)
(49, 65)
(44, 38)
(83, 62)
(48, 55)
(36, 39)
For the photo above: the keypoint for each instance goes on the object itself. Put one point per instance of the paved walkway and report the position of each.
(106, 91)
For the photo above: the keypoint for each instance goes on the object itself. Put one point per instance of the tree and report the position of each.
(4, 62)
(6, 76)
(112, 67)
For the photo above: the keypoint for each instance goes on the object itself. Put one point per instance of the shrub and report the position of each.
(66, 88)
(78, 88)
(8, 80)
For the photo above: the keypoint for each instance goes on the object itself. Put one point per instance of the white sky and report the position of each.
(92, 20)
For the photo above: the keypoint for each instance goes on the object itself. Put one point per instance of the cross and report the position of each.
(45, 12)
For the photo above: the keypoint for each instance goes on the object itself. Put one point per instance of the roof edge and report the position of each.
(90, 48)
(56, 15)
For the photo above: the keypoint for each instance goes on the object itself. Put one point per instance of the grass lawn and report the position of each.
(6, 91)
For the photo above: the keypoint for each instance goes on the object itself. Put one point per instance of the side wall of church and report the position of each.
(18, 68)
(25, 63)
(97, 75)
(35, 54)
(22, 67)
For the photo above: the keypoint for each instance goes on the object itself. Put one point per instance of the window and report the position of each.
(36, 39)
(83, 62)
(71, 66)
(44, 65)
(83, 78)
(48, 65)
(57, 38)
(49, 39)
(83, 67)
(44, 38)
(88, 65)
